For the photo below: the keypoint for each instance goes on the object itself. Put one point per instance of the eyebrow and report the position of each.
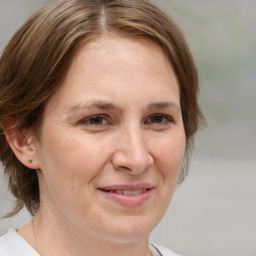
(104, 105)
(165, 104)
(99, 104)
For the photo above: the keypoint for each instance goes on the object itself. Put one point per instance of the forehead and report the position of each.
(108, 63)
(108, 50)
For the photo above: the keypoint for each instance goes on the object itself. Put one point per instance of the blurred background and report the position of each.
(214, 211)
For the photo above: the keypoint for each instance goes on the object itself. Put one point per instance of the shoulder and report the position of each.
(12, 244)
(161, 250)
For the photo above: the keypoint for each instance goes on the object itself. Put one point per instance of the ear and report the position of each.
(22, 144)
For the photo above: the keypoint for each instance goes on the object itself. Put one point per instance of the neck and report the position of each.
(53, 239)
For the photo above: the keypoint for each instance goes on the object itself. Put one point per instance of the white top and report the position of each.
(12, 244)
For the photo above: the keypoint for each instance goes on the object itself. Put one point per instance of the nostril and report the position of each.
(124, 168)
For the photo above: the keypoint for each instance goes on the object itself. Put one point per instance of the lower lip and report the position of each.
(128, 200)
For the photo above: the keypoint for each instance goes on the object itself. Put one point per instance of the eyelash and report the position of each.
(149, 120)
(167, 118)
(86, 121)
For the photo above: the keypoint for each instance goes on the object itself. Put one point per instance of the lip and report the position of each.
(127, 200)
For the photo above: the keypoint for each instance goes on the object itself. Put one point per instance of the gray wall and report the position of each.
(213, 212)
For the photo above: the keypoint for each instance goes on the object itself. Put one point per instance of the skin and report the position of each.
(115, 120)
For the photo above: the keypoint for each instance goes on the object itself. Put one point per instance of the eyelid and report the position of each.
(168, 117)
(87, 119)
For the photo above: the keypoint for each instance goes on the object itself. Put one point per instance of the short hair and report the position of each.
(34, 64)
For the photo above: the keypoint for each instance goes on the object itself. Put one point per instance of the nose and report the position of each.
(132, 154)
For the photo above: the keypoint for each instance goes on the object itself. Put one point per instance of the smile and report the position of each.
(128, 192)
(128, 195)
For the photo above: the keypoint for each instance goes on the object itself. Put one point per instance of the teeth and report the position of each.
(130, 192)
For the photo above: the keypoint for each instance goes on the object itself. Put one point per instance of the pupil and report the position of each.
(157, 119)
(96, 120)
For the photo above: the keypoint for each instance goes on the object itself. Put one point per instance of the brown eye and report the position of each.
(158, 119)
(94, 120)
(97, 120)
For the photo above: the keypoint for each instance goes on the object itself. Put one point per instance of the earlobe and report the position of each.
(21, 143)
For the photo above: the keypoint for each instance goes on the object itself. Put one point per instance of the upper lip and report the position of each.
(128, 186)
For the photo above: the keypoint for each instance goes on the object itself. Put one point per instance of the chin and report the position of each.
(132, 230)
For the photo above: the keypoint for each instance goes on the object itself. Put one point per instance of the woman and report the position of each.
(98, 110)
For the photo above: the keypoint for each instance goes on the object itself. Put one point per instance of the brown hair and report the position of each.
(34, 63)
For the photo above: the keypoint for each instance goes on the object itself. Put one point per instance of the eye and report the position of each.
(158, 119)
(94, 120)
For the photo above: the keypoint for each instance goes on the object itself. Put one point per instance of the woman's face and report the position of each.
(112, 141)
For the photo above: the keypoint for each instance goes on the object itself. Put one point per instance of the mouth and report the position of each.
(128, 195)
(127, 192)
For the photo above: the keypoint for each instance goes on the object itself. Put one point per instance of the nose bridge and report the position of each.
(134, 144)
(132, 152)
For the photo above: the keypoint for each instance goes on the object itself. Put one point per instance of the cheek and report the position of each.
(73, 162)
(87, 157)
(170, 155)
